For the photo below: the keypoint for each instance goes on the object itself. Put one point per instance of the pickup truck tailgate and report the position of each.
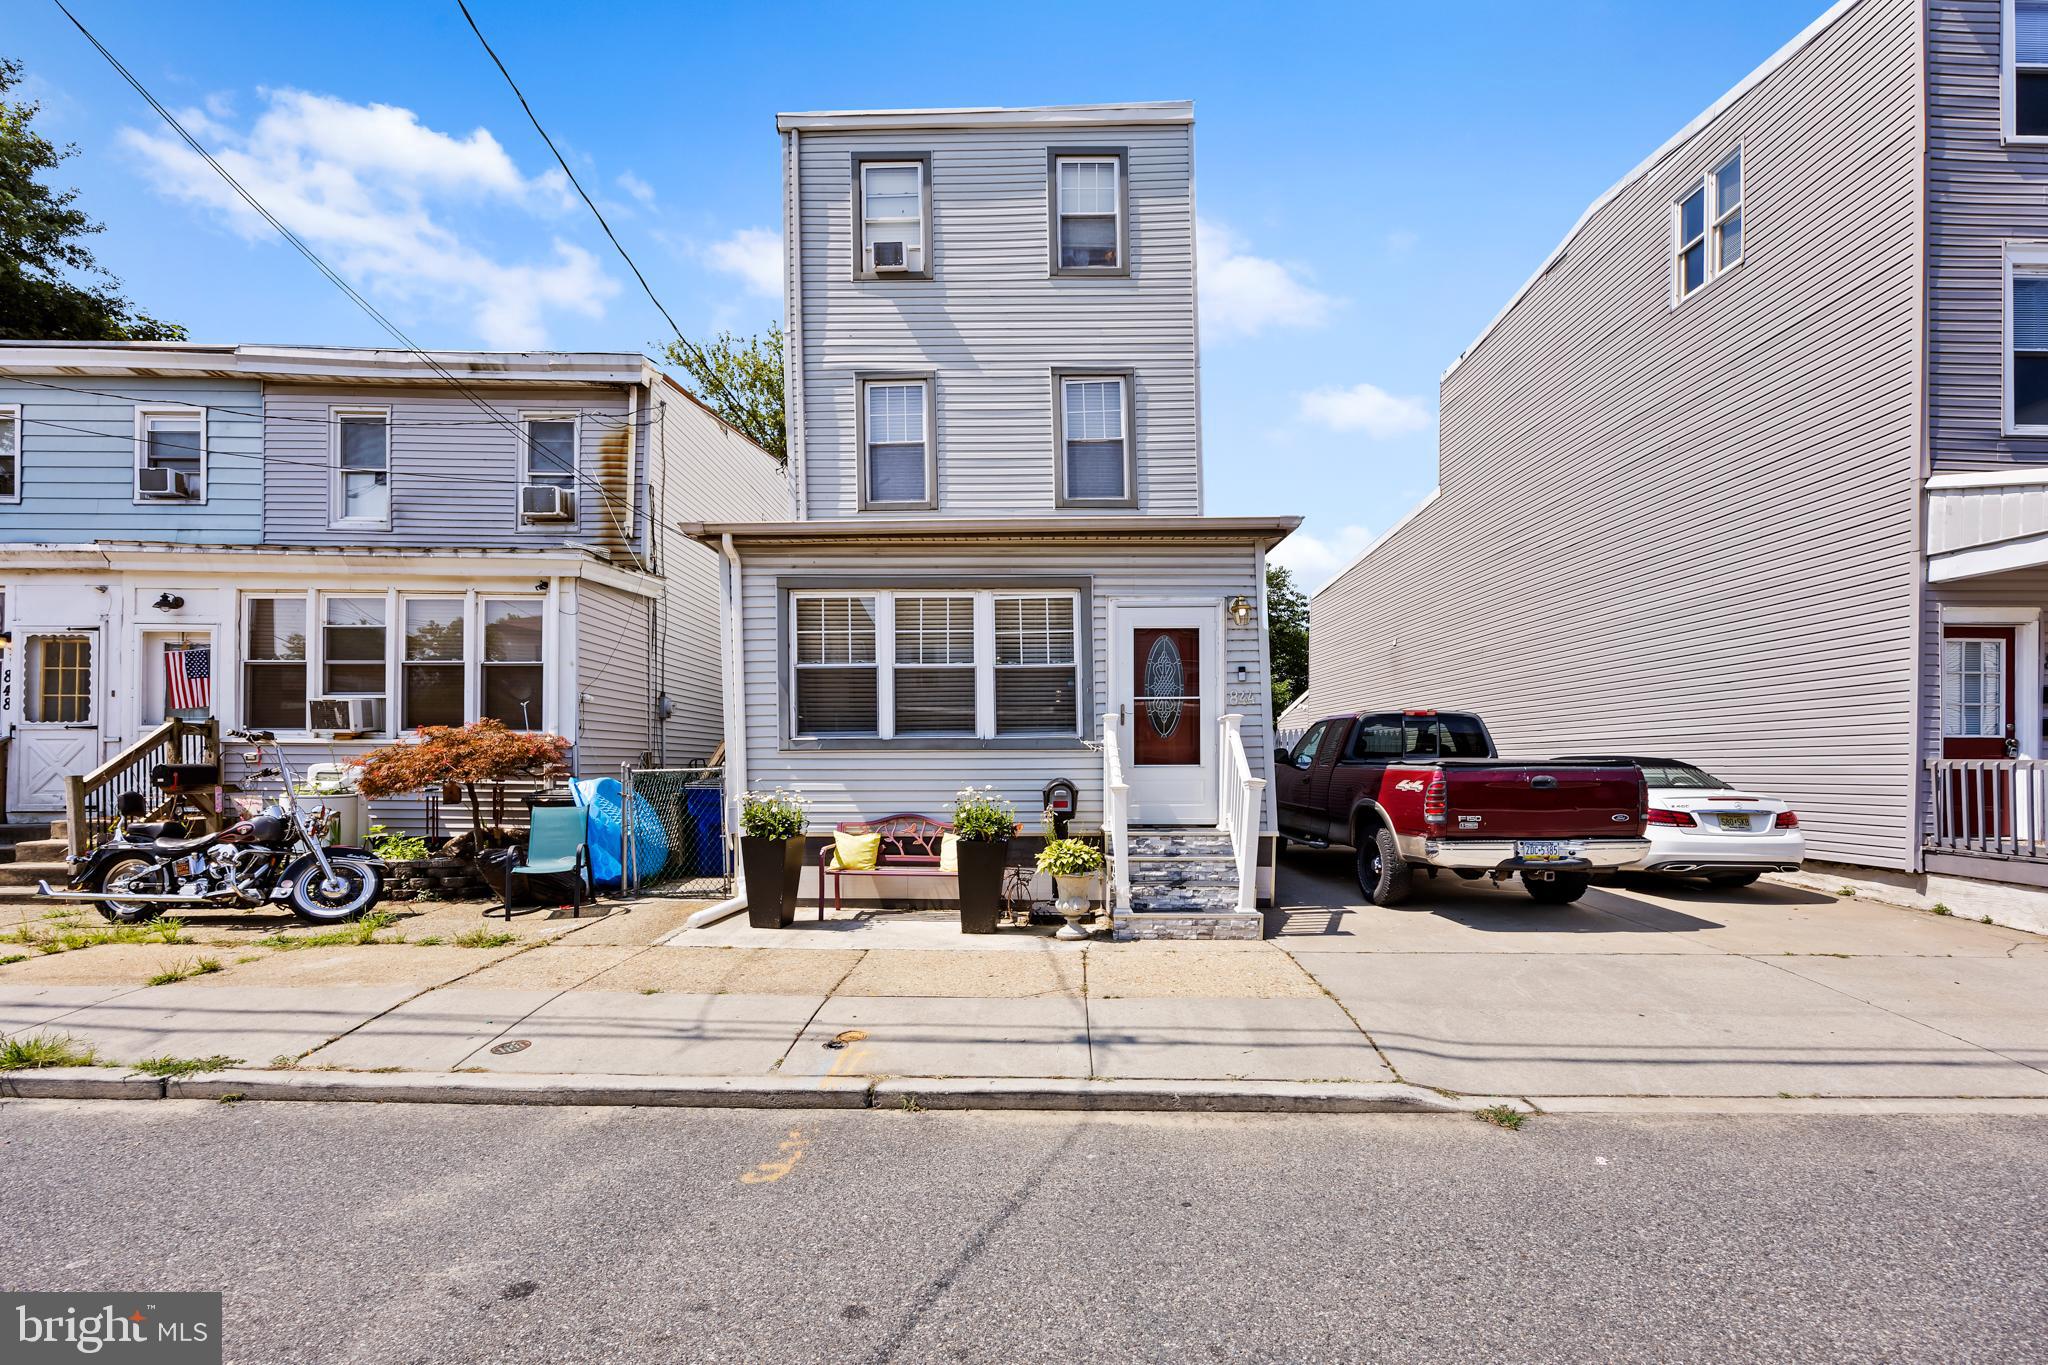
(1492, 799)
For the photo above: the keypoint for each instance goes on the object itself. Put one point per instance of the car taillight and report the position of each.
(1436, 799)
(1787, 820)
(1670, 817)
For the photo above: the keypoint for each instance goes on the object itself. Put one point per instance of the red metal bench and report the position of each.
(910, 848)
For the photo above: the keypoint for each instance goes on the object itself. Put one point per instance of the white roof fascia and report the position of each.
(1051, 116)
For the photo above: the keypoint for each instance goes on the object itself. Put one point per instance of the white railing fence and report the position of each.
(1240, 798)
(1116, 817)
(1997, 806)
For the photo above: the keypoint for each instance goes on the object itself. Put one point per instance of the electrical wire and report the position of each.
(266, 414)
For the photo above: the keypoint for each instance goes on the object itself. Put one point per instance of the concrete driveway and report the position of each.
(1771, 990)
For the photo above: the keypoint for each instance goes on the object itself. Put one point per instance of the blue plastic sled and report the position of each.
(604, 799)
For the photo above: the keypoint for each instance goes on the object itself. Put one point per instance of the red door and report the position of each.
(1166, 687)
(1978, 720)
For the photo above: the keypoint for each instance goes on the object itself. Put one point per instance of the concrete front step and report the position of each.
(28, 874)
(40, 851)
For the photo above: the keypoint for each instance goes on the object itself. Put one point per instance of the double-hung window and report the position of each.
(1088, 229)
(547, 474)
(362, 467)
(891, 200)
(898, 468)
(435, 680)
(170, 455)
(1707, 227)
(10, 453)
(2026, 69)
(1095, 464)
(956, 665)
(354, 646)
(2026, 312)
(274, 663)
(513, 668)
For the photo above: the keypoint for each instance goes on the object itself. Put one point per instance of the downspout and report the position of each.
(731, 637)
(793, 323)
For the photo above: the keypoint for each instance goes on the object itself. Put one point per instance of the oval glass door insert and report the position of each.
(1164, 682)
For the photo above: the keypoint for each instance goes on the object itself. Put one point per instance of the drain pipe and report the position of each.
(735, 728)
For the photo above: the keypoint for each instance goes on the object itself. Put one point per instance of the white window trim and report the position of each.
(13, 411)
(336, 515)
(2022, 258)
(472, 600)
(526, 470)
(861, 266)
(1127, 386)
(142, 420)
(2008, 69)
(1713, 216)
(930, 501)
(1115, 161)
(2026, 676)
(984, 662)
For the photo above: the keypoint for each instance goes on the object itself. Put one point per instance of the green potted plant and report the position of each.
(772, 855)
(983, 825)
(1073, 867)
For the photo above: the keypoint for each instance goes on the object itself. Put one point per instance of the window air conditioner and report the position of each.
(892, 258)
(348, 715)
(163, 483)
(546, 502)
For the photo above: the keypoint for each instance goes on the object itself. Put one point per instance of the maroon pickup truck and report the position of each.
(1424, 789)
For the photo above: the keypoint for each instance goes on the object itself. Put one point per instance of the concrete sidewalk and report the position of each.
(1771, 993)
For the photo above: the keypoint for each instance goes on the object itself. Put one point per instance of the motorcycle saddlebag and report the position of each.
(184, 777)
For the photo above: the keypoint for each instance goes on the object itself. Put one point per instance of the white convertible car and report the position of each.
(1700, 826)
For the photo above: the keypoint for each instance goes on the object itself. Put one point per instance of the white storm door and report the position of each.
(57, 722)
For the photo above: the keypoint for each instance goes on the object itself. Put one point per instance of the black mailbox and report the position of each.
(1059, 799)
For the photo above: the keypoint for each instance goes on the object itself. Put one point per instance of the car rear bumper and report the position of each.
(1501, 855)
(1683, 854)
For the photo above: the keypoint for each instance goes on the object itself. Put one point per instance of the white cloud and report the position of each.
(370, 187)
(754, 255)
(635, 186)
(1367, 408)
(1315, 560)
(1243, 294)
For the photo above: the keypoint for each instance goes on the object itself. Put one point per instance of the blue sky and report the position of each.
(1374, 180)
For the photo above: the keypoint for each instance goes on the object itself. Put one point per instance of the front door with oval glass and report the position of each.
(1166, 714)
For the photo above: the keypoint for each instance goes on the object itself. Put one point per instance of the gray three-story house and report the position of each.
(1754, 470)
(995, 568)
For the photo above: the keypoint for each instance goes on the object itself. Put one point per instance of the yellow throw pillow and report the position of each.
(949, 853)
(856, 852)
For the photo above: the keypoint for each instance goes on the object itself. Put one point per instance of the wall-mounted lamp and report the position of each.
(541, 586)
(1242, 610)
(166, 601)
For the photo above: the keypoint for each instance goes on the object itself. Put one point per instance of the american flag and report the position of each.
(188, 670)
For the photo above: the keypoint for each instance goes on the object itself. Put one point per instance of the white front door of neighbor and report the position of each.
(177, 676)
(56, 722)
(1166, 684)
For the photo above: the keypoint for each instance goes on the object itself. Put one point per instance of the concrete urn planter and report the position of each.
(1075, 903)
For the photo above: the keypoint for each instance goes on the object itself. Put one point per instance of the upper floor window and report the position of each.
(170, 455)
(897, 466)
(1087, 199)
(547, 475)
(892, 202)
(10, 454)
(1092, 431)
(362, 467)
(2026, 69)
(2026, 311)
(1708, 225)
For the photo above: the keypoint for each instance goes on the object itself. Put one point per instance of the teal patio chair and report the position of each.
(557, 843)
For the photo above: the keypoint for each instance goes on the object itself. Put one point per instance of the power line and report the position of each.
(312, 256)
(268, 415)
(624, 255)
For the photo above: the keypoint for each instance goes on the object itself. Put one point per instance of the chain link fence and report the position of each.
(675, 838)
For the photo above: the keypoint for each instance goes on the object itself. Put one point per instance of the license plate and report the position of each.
(1545, 850)
(1735, 820)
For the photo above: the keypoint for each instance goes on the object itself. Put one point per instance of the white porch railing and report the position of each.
(1116, 817)
(1239, 801)
(1997, 806)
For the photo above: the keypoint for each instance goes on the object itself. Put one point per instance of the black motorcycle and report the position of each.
(280, 854)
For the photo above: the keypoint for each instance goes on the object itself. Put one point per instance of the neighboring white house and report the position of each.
(358, 543)
(995, 568)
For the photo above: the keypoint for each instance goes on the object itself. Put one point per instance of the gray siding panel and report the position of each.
(614, 679)
(1692, 530)
(993, 322)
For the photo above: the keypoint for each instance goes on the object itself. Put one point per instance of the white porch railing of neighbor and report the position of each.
(1239, 800)
(1996, 806)
(1116, 817)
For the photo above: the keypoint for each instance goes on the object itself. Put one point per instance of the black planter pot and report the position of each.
(773, 867)
(981, 883)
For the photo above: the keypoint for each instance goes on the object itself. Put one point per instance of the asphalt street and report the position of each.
(424, 1233)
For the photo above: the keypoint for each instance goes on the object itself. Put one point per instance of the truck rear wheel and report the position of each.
(1383, 875)
(1560, 888)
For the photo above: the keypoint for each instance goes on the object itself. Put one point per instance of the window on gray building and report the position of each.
(2029, 49)
(934, 665)
(2029, 349)
(897, 467)
(362, 474)
(1094, 434)
(10, 454)
(1707, 226)
(836, 681)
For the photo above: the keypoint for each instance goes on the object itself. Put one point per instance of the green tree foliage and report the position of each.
(42, 251)
(1286, 636)
(741, 380)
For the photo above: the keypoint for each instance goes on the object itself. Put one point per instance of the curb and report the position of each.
(694, 1092)
(79, 1083)
(1194, 1097)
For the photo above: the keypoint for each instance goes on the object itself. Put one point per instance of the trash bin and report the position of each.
(704, 836)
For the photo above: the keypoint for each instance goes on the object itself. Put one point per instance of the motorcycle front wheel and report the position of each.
(355, 888)
(138, 875)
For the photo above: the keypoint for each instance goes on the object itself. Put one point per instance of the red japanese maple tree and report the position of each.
(462, 755)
